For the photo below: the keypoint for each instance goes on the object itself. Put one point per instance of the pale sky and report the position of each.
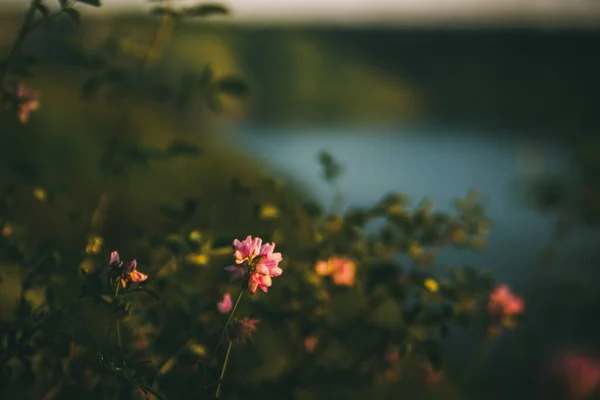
(388, 10)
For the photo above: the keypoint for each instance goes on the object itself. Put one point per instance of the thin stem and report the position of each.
(214, 353)
(119, 342)
(218, 393)
(23, 30)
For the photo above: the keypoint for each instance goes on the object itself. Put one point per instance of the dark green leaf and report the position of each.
(152, 293)
(170, 212)
(25, 171)
(90, 87)
(73, 15)
(205, 10)
(95, 3)
(238, 188)
(41, 8)
(179, 147)
(213, 102)
(160, 92)
(190, 206)
(206, 76)
(233, 85)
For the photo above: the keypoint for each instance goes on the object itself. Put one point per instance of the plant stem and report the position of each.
(218, 393)
(214, 353)
(119, 342)
(23, 30)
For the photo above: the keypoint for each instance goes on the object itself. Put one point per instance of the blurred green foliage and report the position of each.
(112, 162)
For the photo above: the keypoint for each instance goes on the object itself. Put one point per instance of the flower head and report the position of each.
(255, 262)
(504, 303)
(242, 329)
(114, 258)
(131, 274)
(226, 305)
(128, 272)
(247, 250)
(310, 343)
(23, 99)
(341, 269)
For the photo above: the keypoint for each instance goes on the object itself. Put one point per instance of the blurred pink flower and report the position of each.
(226, 305)
(310, 343)
(345, 271)
(502, 301)
(131, 274)
(26, 100)
(342, 270)
(242, 329)
(432, 377)
(582, 374)
(259, 263)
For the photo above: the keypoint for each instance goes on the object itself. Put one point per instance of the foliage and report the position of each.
(360, 301)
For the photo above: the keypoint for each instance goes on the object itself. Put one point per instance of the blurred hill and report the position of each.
(507, 79)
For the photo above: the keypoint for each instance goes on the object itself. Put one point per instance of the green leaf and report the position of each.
(41, 8)
(179, 147)
(213, 102)
(152, 293)
(90, 87)
(170, 212)
(94, 3)
(206, 76)
(233, 85)
(25, 171)
(205, 10)
(73, 15)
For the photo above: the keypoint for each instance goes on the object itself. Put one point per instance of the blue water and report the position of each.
(432, 164)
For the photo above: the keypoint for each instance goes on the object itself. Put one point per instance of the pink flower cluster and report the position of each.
(341, 269)
(504, 303)
(24, 99)
(256, 262)
(129, 273)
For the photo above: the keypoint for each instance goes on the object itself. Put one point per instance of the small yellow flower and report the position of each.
(313, 278)
(414, 249)
(94, 245)
(195, 236)
(198, 259)
(459, 236)
(196, 348)
(431, 285)
(269, 211)
(40, 194)
(396, 209)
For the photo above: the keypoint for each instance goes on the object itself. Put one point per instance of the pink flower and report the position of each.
(25, 100)
(257, 262)
(502, 301)
(246, 250)
(131, 274)
(226, 305)
(310, 343)
(345, 271)
(582, 373)
(342, 270)
(114, 258)
(242, 329)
